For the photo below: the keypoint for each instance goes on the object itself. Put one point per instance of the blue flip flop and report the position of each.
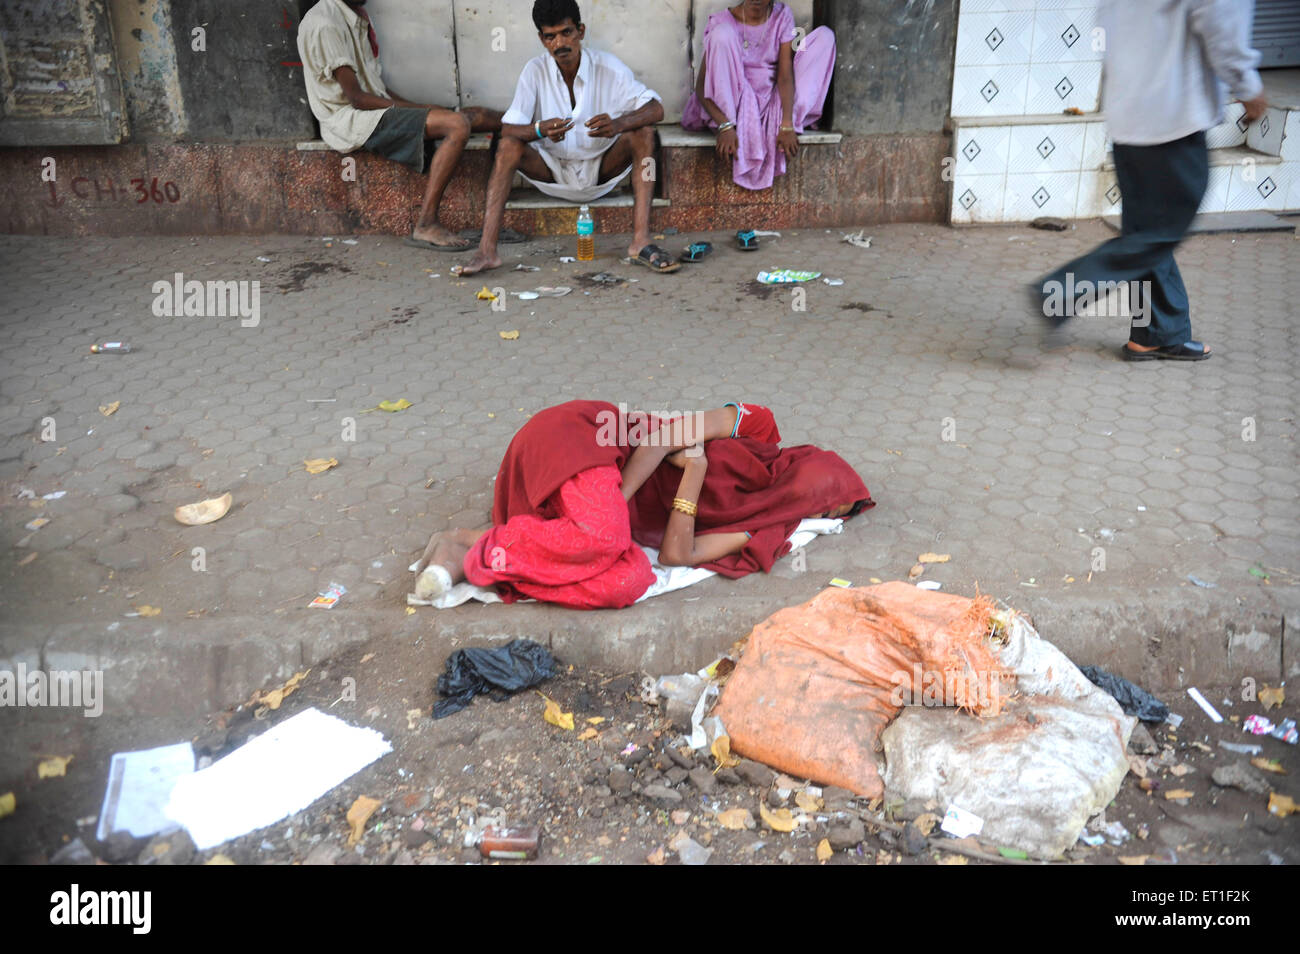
(696, 251)
(747, 241)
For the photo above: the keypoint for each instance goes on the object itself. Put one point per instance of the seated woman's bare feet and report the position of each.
(481, 262)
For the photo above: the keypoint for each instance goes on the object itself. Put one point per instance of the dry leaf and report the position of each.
(1198, 745)
(953, 860)
(401, 404)
(1268, 765)
(367, 657)
(1178, 793)
(1133, 859)
(934, 558)
(205, 511)
(555, 716)
(273, 698)
(735, 819)
(410, 611)
(485, 295)
(1272, 698)
(824, 850)
(219, 859)
(56, 766)
(1137, 765)
(595, 720)
(927, 822)
(318, 465)
(587, 733)
(148, 610)
(28, 559)
(721, 749)
(1281, 805)
(509, 335)
(656, 857)
(8, 802)
(778, 820)
(108, 410)
(359, 814)
(809, 803)
(1179, 771)
(915, 571)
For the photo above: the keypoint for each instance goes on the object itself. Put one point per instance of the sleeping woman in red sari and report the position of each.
(576, 495)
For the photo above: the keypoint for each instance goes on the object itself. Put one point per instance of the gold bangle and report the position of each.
(685, 506)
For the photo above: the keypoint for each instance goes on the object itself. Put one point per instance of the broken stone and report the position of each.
(620, 780)
(727, 776)
(913, 841)
(323, 854)
(676, 775)
(703, 779)
(755, 773)
(174, 849)
(1050, 223)
(1141, 743)
(844, 837)
(661, 794)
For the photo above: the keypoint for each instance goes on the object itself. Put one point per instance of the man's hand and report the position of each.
(728, 144)
(555, 129)
(1255, 107)
(603, 127)
(788, 142)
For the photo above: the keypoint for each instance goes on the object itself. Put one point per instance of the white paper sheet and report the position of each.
(272, 776)
(139, 784)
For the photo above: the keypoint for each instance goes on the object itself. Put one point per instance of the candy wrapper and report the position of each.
(1284, 730)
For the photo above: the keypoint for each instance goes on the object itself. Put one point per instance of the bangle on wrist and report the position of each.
(727, 125)
(685, 506)
(537, 128)
(787, 129)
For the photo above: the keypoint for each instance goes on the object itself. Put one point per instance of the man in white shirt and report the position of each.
(1167, 63)
(580, 121)
(340, 63)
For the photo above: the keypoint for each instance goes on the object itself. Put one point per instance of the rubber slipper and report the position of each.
(652, 257)
(747, 241)
(697, 251)
(504, 237)
(434, 247)
(1187, 351)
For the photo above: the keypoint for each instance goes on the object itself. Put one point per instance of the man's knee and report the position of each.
(444, 124)
(641, 140)
(510, 152)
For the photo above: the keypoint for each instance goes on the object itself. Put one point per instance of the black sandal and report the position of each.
(656, 259)
(1187, 351)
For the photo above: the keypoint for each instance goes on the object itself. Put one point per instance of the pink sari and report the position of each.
(742, 83)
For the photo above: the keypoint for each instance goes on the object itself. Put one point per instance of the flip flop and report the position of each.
(747, 241)
(505, 237)
(1187, 351)
(697, 251)
(434, 247)
(653, 257)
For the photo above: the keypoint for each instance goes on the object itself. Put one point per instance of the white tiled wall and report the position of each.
(1015, 57)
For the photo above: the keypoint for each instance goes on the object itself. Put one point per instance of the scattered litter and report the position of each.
(691, 852)
(786, 276)
(276, 697)
(517, 844)
(262, 258)
(916, 570)
(363, 806)
(567, 259)
(329, 597)
(391, 407)
(836, 581)
(736, 819)
(1049, 223)
(933, 558)
(960, 823)
(485, 295)
(318, 465)
(74, 852)
(56, 766)
(37, 523)
(1201, 701)
(1096, 841)
(8, 802)
(527, 295)
(555, 291)
(768, 234)
(1199, 582)
(1259, 725)
(779, 819)
(509, 335)
(1134, 700)
(1241, 748)
(272, 776)
(521, 267)
(1174, 720)
(205, 511)
(1272, 698)
(1269, 765)
(108, 410)
(148, 611)
(349, 241)
(54, 495)
(25, 494)
(858, 240)
(1281, 805)
(139, 784)
(501, 671)
(28, 559)
(1239, 775)
(1176, 793)
(604, 278)
(435, 275)
(555, 715)
(929, 585)
(110, 347)
(833, 281)
(321, 400)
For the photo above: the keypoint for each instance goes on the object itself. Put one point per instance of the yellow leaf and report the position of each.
(809, 803)
(875, 579)
(1268, 765)
(359, 814)
(275, 697)
(485, 295)
(1133, 859)
(219, 860)
(1272, 698)
(55, 766)
(778, 820)
(109, 409)
(927, 822)
(509, 335)
(410, 611)
(148, 610)
(915, 571)
(555, 716)
(953, 860)
(318, 465)
(1281, 805)
(824, 851)
(656, 857)
(8, 802)
(595, 720)
(390, 406)
(735, 819)
(1178, 793)
(587, 733)
(721, 749)
(933, 558)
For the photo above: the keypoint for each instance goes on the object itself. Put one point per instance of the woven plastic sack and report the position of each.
(818, 683)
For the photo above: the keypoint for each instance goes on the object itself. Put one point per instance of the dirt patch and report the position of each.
(296, 277)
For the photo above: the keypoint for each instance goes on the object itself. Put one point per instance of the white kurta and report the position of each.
(603, 84)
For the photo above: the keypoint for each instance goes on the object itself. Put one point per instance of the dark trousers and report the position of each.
(1161, 187)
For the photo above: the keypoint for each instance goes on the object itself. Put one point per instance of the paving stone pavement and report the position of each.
(1064, 481)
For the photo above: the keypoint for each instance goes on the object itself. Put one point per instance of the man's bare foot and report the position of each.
(481, 262)
(439, 236)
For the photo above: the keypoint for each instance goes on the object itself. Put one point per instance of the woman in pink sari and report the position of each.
(757, 90)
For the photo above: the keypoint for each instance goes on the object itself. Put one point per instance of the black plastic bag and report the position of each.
(471, 672)
(1134, 700)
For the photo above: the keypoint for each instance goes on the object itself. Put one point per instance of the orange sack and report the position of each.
(818, 683)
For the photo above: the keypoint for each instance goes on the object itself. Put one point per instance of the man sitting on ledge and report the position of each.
(340, 62)
(580, 121)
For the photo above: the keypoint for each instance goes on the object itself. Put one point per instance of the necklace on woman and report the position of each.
(744, 19)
